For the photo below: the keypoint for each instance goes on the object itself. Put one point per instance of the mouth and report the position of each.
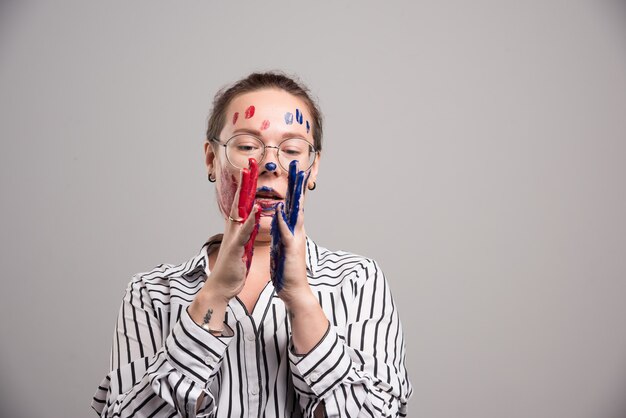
(268, 198)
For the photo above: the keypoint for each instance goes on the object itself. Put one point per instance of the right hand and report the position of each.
(229, 272)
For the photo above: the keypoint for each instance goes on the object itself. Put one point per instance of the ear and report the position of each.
(314, 168)
(209, 157)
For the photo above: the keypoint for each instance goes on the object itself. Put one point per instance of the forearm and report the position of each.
(357, 368)
(308, 322)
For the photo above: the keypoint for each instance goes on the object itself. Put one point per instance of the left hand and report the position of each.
(288, 264)
(288, 267)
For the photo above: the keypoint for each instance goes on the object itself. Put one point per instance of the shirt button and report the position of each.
(314, 377)
(254, 390)
(250, 337)
(208, 360)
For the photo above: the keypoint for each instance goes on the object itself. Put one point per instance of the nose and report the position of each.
(271, 159)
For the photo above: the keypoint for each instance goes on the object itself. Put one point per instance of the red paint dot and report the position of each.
(249, 112)
(265, 125)
(235, 116)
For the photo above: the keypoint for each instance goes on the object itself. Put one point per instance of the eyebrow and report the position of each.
(258, 133)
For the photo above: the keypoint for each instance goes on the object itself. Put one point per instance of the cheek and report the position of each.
(226, 189)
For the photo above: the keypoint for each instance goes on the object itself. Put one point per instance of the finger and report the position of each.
(244, 193)
(277, 252)
(252, 180)
(300, 218)
(275, 233)
(249, 225)
(291, 180)
(248, 188)
(282, 221)
(297, 195)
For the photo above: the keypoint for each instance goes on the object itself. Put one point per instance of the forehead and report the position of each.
(267, 101)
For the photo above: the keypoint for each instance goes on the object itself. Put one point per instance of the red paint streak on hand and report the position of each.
(235, 116)
(247, 193)
(249, 112)
(265, 125)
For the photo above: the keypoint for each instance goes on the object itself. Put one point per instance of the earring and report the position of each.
(312, 187)
(212, 179)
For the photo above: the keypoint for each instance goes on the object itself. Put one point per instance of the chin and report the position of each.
(265, 226)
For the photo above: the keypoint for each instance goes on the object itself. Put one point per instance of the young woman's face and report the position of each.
(271, 115)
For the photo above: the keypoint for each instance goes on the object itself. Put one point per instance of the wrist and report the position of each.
(208, 309)
(301, 301)
(215, 293)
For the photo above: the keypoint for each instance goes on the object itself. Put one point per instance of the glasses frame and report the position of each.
(265, 147)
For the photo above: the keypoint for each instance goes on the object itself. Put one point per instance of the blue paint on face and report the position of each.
(270, 166)
(289, 212)
(299, 117)
(288, 118)
(308, 127)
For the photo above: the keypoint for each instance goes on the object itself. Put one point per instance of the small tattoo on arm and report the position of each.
(207, 317)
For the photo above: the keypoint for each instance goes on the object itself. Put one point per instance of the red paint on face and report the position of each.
(265, 125)
(235, 116)
(249, 112)
(226, 193)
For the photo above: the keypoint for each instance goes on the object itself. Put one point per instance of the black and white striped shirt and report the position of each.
(164, 365)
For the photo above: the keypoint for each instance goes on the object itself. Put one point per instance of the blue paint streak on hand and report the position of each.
(291, 181)
(277, 256)
(295, 207)
(290, 216)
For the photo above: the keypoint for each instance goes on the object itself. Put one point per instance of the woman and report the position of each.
(215, 336)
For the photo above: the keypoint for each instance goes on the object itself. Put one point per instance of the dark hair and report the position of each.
(259, 81)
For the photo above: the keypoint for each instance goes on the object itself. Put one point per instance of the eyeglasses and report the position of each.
(241, 147)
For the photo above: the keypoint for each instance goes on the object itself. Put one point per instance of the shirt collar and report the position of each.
(201, 260)
(312, 255)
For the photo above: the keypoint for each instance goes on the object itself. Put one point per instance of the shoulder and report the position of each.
(339, 267)
(169, 281)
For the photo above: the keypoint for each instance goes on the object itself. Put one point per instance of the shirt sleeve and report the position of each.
(362, 374)
(154, 374)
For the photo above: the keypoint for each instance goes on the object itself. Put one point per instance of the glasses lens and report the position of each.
(240, 148)
(296, 149)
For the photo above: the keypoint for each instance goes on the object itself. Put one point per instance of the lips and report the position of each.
(266, 192)
(268, 198)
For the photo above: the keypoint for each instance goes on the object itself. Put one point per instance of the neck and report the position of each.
(260, 267)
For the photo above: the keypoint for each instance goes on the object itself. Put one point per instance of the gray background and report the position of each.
(475, 149)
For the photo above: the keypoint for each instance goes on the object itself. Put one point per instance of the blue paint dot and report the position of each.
(288, 118)
(270, 166)
(308, 127)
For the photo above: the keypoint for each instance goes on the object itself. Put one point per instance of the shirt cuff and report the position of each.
(322, 368)
(193, 351)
